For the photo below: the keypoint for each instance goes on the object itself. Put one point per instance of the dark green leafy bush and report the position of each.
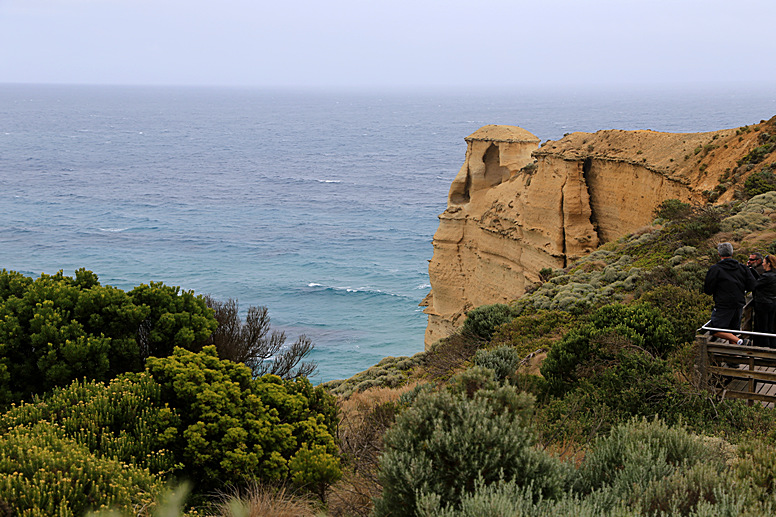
(483, 320)
(234, 428)
(56, 328)
(673, 210)
(611, 329)
(760, 183)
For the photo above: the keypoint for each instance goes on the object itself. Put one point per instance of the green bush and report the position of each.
(610, 329)
(176, 318)
(639, 451)
(532, 331)
(503, 360)
(43, 474)
(125, 420)
(56, 328)
(673, 210)
(685, 309)
(444, 445)
(483, 320)
(234, 428)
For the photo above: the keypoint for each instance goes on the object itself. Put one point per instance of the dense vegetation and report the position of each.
(580, 398)
(109, 395)
(593, 375)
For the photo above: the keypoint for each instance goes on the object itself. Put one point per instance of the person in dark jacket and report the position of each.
(728, 281)
(765, 303)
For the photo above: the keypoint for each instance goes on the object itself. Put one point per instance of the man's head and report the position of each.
(725, 249)
(755, 259)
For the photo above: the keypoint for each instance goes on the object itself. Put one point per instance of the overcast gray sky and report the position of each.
(369, 43)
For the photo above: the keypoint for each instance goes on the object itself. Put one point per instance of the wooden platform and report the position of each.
(741, 372)
(748, 388)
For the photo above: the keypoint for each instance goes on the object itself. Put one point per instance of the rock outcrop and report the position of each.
(517, 207)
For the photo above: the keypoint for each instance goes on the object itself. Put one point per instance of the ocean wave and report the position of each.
(424, 286)
(348, 289)
(113, 230)
(329, 181)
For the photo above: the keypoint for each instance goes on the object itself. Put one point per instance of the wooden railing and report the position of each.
(738, 371)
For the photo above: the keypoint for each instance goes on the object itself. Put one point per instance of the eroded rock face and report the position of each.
(515, 207)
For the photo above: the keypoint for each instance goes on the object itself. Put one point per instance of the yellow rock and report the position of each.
(515, 207)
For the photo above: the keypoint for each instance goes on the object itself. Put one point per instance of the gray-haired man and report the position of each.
(728, 280)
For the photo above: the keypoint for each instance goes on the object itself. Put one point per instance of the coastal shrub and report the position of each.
(673, 210)
(685, 309)
(704, 224)
(390, 372)
(483, 320)
(125, 420)
(43, 473)
(252, 343)
(759, 183)
(503, 360)
(448, 354)
(57, 328)
(177, 318)
(444, 445)
(532, 331)
(234, 428)
(610, 329)
(640, 451)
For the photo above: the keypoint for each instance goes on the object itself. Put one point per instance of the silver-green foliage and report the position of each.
(503, 360)
(447, 443)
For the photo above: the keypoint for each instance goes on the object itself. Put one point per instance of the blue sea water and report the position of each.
(319, 205)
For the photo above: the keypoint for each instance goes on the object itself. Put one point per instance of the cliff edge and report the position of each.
(516, 206)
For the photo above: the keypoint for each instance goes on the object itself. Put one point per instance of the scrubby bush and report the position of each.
(390, 372)
(503, 360)
(760, 183)
(125, 420)
(56, 328)
(445, 445)
(685, 309)
(43, 473)
(534, 330)
(483, 320)
(673, 210)
(640, 450)
(234, 428)
(611, 329)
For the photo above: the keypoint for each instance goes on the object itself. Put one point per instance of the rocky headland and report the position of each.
(517, 206)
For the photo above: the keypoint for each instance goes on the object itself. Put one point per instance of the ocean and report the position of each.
(319, 205)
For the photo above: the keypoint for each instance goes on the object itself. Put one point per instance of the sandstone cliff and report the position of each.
(516, 207)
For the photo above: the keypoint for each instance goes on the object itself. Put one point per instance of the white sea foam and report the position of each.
(423, 286)
(112, 230)
(329, 181)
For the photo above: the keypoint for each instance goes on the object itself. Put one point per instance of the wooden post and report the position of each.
(703, 342)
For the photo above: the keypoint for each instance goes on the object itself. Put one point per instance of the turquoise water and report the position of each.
(320, 206)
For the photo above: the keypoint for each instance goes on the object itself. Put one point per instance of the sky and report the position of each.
(387, 44)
